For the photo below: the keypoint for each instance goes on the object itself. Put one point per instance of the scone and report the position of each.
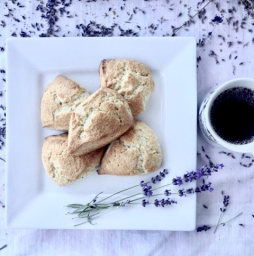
(136, 152)
(131, 79)
(102, 118)
(58, 102)
(62, 167)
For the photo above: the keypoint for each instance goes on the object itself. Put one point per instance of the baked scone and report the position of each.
(131, 79)
(62, 167)
(102, 118)
(136, 152)
(58, 102)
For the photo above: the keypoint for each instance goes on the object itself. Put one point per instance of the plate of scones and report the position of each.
(93, 115)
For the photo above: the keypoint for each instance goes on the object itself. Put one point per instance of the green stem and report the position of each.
(98, 215)
(134, 194)
(88, 208)
(118, 193)
(162, 186)
(144, 197)
(117, 201)
(238, 215)
(86, 216)
(218, 223)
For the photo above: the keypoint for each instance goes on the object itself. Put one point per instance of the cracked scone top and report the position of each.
(58, 102)
(102, 118)
(62, 167)
(136, 152)
(131, 79)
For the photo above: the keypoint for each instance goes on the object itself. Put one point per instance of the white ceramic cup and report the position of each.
(205, 120)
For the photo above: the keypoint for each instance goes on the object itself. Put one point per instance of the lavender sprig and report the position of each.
(203, 172)
(202, 188)
(207, 227)
(147, 189)
(160, 177)
(191, 19)
(225, 203)
(222, 209)
(97, 205)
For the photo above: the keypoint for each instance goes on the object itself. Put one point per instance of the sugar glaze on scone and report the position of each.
(58, 101)
(130, 78)
(100, 119)
(136, 152)
(64, 168)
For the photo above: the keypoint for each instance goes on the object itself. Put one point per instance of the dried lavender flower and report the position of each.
(204, 171)
(203, 228)
(181, 192)
(202, 188)
(177, 181)
(167, 192)
(159, 177)
(225, 203)
(222, 209)
(145, 202)
(217, 19)
(164, 202)
(147, 189)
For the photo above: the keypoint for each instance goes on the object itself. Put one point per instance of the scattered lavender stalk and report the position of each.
(207, 227)
(4, 246)
(93, 209)
(191, 18)
(222, 209)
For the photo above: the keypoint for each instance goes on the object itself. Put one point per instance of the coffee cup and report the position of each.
(238, 94)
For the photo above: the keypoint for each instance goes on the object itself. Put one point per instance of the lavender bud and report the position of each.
(156, 202)
(144, 202)
(158, 178)
(165, 171)
(162, 174)
(153, 180)
(167, 192)
(181, 192)
(177, 181)
(197, 190)
(203, 228)
(190, 191)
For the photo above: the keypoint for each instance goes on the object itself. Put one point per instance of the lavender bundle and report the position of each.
(147, 194)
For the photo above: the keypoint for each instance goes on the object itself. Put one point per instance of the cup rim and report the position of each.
(247, 147)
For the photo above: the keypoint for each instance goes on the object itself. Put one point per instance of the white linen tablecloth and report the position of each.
(225, 51)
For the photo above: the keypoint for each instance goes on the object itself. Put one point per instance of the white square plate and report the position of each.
(33, 200)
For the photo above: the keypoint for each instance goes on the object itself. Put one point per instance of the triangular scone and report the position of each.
(131, 79)
(58, 102)
(135, 152)
(100, 119)
(64, 168)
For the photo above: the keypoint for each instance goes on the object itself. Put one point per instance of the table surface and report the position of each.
(225, 50)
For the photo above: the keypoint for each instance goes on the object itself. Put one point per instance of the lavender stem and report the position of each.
(238, 215)
(218, 223)
(118, 193)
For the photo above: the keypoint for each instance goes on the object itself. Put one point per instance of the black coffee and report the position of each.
(232, 115)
